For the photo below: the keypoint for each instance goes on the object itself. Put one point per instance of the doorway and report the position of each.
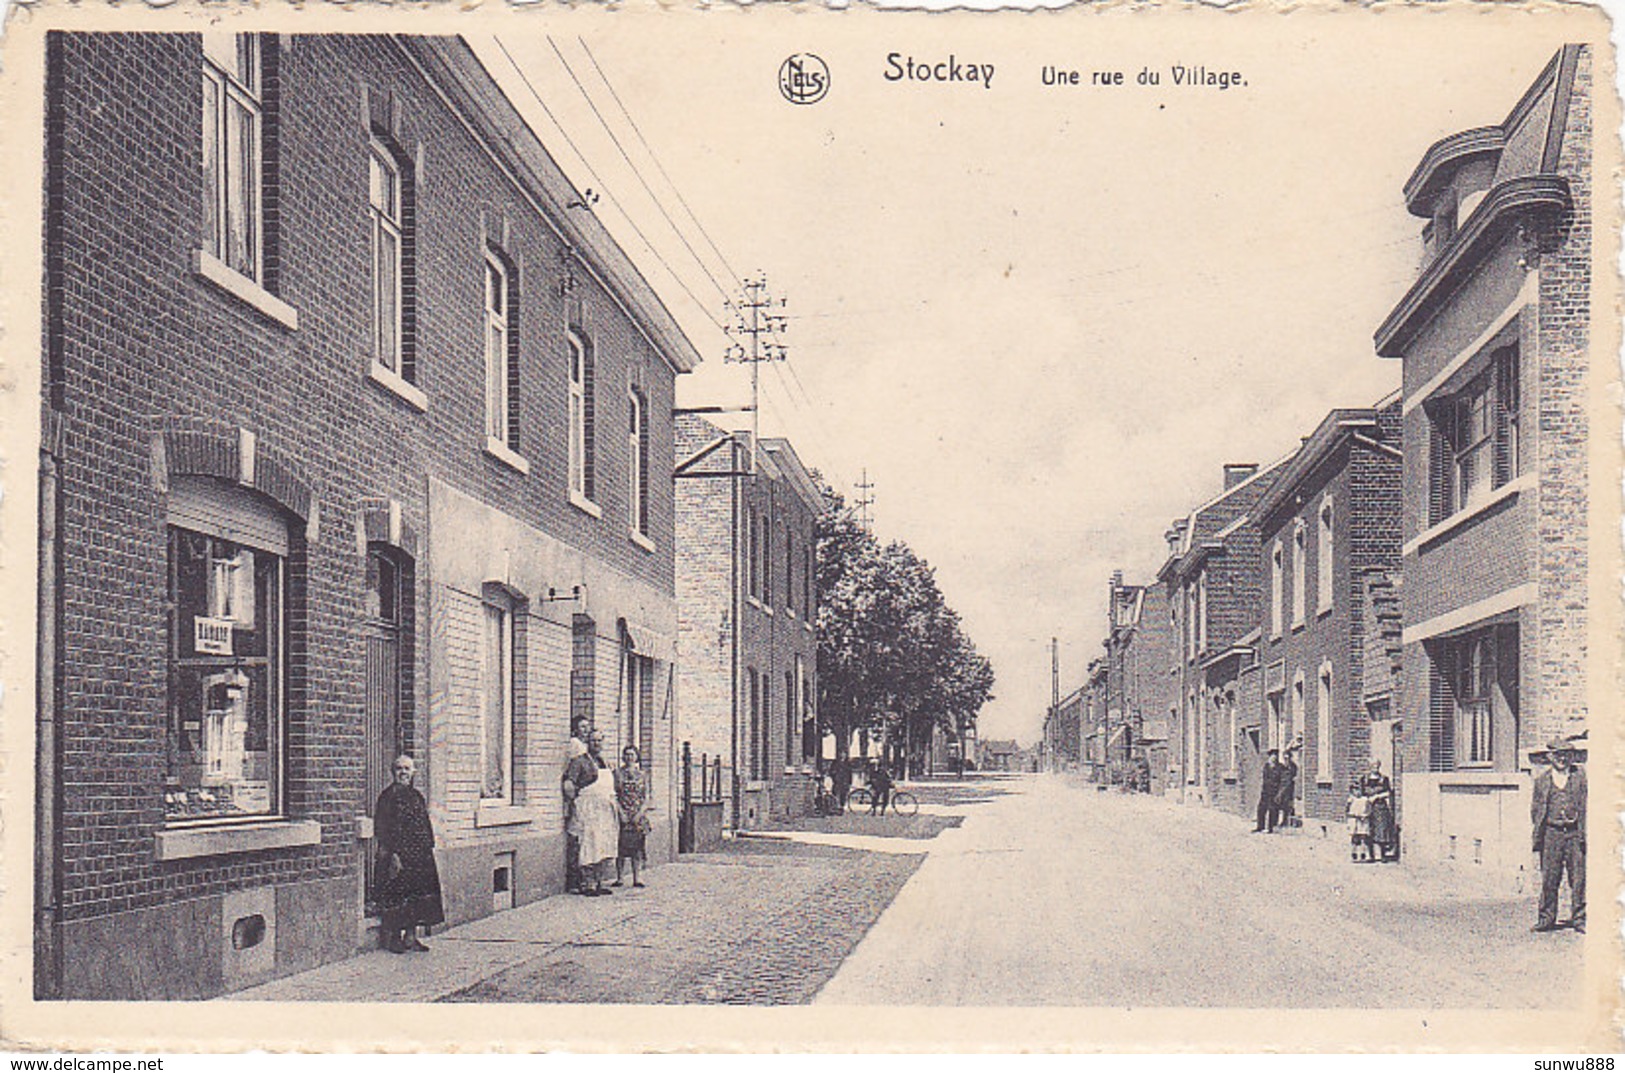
(383, 629)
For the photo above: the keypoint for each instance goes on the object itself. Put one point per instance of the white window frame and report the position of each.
(1323, 725)
(1324, 555)
(235, 97)
(578, 357)
(637, 423)
(1201, 611)
(1296, 713)
(386, 226)
(501, 609)
(1474, 691)
(500, 426)
(1300, 553)
(1235, 741)
(1277, 588)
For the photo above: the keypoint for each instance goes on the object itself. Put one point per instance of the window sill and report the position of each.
(397, 385)
(585, 505)
(1323, 781)
(641, 541)
(759, 605)
(1297, 625)
(502, 815)
(207, 266)
(506, 455)
(1434, 532)
(1323, 612)
(184, 843)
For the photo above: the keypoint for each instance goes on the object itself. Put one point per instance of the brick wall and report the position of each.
(1559, 681)
(137, 342)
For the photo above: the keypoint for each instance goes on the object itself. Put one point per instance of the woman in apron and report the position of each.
(595, 818)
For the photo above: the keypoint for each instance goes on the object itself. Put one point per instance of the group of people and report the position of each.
(1373, 833)
(1277, 791)
(606, 819)
(836, 786)
(606, 814)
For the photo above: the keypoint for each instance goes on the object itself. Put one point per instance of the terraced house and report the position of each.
(1329, 532)
(1493, 337)
(357, 441)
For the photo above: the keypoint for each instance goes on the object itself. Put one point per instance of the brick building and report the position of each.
(1493, 338)
(1328, 520)
(747, 618)
(1139, 650)
(1211, 583)
(357, 441)
(1063, 731)
(1093, 730)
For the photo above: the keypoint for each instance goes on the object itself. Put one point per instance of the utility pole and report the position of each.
(753, 336)
(865, 500)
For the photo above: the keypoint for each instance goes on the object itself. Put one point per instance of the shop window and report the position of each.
(224, 733)
(1476, 678)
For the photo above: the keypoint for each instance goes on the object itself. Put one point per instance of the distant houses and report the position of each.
(1408, 586)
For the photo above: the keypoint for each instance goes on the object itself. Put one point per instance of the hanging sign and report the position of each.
(211, 636)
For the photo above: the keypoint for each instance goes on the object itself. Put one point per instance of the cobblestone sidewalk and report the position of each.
(761, 922)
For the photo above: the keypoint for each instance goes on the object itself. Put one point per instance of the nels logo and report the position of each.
(803, 79)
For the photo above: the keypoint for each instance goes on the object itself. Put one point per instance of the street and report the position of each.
(1053, 893)
(1005, 890)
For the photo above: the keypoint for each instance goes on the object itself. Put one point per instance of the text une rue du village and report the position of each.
(901, 67)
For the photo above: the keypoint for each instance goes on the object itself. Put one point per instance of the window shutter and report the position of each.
(1441, 718)
(1439, 473)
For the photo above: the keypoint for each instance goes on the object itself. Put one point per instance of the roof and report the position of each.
(1209, 525)
(452, 68)
(1334, 429)
(794, 473)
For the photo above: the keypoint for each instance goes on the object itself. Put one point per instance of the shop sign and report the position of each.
(211, 636)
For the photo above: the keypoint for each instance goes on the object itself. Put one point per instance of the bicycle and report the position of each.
(902, 802)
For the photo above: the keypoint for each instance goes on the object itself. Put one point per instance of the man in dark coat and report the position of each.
(1286, 797)
(1558, 815)
(1268, 790)
(408, 881)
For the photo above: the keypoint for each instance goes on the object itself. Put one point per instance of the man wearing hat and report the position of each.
(1269, 809)
(1559, 818)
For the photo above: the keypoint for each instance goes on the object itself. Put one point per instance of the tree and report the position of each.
(893, 658)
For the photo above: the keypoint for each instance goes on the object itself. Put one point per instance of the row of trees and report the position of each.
(893, 660)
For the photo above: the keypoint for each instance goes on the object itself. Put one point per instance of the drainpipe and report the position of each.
(47, 971)
(733, 646)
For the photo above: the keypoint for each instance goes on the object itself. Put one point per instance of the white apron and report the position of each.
(598, 820)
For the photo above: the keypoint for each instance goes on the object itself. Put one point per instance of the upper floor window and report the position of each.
(1323, 558)
(1323, 726)
(384, 210)
(637, 455)
(1476, 434)
(581, 418)
(1201, 611)
(753, 552)
(501, 364)
(233, 151)
(1299, 555)
(1277, 589)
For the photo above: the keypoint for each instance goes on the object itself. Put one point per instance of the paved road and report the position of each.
(1052, 893)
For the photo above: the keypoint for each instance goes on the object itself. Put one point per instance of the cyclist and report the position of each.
(880, 786)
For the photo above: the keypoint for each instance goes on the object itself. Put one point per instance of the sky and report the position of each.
(1040, 319)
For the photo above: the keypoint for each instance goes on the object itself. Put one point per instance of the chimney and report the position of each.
(1236, 472)
(1175, 535)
